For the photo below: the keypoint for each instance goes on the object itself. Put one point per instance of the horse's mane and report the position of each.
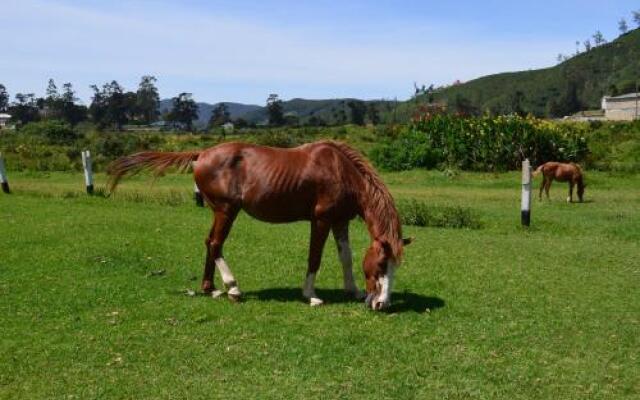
(381, 209)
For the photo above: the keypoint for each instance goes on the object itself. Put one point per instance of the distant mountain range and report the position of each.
(330, 110)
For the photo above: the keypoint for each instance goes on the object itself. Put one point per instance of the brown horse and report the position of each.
(327, 183)
(561, 172)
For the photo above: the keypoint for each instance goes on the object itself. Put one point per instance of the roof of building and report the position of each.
(3, 115)
(628, 96)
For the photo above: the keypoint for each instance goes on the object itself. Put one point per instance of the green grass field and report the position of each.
(93, 299)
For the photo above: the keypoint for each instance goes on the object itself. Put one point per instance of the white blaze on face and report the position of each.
(386, 282)
(382, 299)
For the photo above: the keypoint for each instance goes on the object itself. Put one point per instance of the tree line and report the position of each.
(111, 106)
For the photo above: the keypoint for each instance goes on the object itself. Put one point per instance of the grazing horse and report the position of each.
(327, 183)
(561, 172)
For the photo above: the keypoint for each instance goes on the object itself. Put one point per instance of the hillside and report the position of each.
(576, 84)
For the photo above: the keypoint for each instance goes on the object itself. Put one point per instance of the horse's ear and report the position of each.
(408, 241)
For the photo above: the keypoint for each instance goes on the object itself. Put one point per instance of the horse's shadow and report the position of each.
(400, 302)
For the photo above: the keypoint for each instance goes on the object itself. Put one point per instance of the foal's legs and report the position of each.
(341, 235)
(224, 215)
(570, 198)
(547, 186)
(319, 233)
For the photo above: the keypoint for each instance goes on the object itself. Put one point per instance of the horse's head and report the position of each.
(379, 266)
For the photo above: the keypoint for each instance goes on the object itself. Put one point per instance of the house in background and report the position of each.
(621, 108)
(4, 119)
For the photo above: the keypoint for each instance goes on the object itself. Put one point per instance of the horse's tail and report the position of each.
(155, 161)
(538, 171)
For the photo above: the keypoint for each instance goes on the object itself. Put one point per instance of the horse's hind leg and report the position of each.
(570, 198)
(224, 215)
(542, 185)
(341, 235)
(547, 186)
(319, 233)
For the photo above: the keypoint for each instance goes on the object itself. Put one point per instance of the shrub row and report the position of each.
(480, 143)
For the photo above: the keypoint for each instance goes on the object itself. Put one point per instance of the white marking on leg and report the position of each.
(346, 259)
(225, 271)
(227, 277)
(309, 290)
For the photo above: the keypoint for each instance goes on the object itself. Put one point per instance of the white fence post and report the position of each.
(88, 171)
(525, 205)
(3, 176)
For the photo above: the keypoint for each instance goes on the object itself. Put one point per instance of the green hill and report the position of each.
(576, 84)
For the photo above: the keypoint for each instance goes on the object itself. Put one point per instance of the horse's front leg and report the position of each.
(570, 198)
(341, 236)
(319, 233)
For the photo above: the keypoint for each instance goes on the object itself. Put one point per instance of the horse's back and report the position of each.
(272, 184)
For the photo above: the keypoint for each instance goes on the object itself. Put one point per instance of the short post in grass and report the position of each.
(4, 181)
(88, 171)
(525, 205)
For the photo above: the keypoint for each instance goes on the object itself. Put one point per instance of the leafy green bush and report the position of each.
(480, 143)
(53, 131)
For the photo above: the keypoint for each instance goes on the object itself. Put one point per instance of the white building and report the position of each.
(621, 108)
(4, 119)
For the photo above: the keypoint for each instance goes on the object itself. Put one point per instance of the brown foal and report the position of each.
(327, 183)
(561, 172)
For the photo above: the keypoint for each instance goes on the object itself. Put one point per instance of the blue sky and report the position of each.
(244, 50)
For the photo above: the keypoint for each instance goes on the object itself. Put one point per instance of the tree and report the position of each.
(636, 17)
(110, 106)
(184, 110)
(598, 38)
(274, 109)
(587, 45)
(4, 98)
(220, 115)
(147, 100)
(24, 109)
(51, 104)
(373, 114)
(622, 26)
(357, 110)
(68, 109)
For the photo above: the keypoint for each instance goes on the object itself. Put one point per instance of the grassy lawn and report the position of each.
(93, 299)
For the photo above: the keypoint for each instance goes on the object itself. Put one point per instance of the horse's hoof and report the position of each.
(216, 293)
(234, 294)
(315, 302)
(207, 287)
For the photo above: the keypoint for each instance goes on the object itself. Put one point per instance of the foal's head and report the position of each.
(379, 266)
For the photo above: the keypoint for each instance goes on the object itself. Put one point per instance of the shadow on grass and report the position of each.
(400, 302)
